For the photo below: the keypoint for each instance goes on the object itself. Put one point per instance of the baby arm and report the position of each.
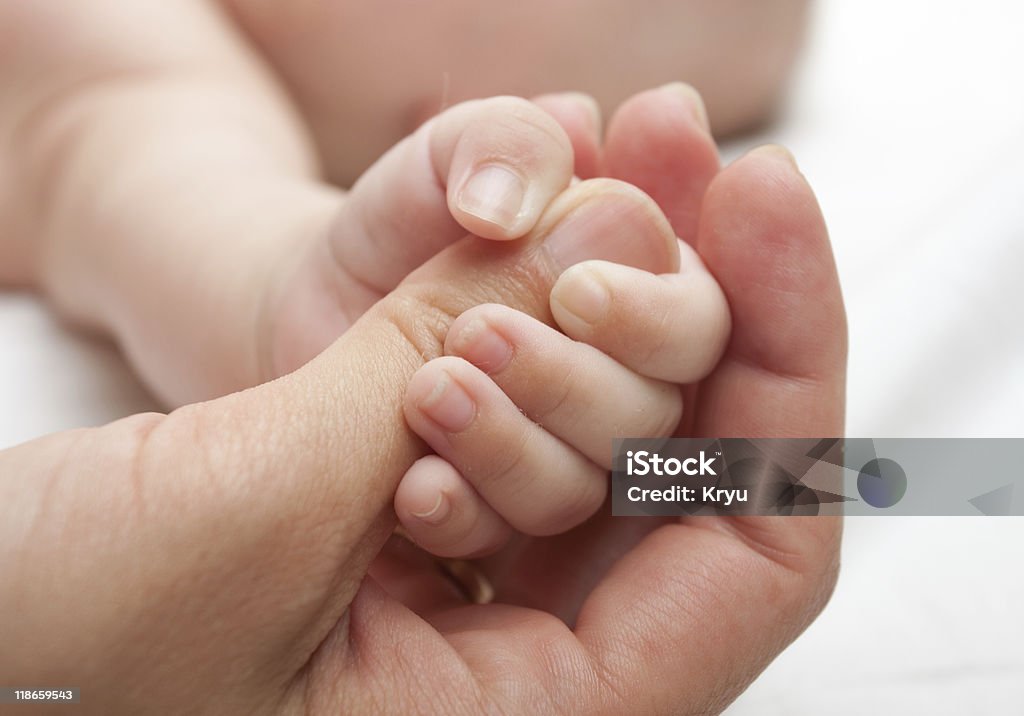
(167, 194)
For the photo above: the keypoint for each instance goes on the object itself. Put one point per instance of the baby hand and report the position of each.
(522, 417)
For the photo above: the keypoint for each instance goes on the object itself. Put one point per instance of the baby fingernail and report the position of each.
(449, 405)
(482, 346)
(494, 194)
(436, 513)
(581, 294)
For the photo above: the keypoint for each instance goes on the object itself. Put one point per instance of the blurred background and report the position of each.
(908, 119)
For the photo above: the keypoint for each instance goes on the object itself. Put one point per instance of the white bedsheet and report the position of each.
(908, 118)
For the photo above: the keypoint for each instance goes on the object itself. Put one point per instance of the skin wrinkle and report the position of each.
(213, 460)
(702, 580)
(361, 226)
(420, 322)
(366, 649)
(136, 472)
(576, 673)
(341, 261)
(560, 395)
(652, 348)
(510, 459)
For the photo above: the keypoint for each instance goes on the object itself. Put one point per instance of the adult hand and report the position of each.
(742, 588)
(216, 559)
